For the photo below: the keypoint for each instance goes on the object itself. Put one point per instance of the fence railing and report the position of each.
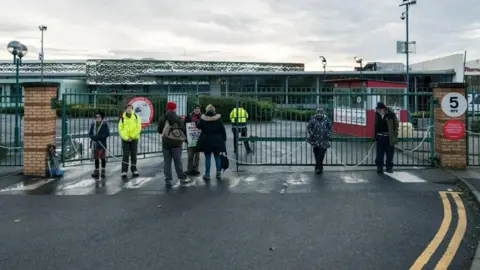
(276, 126)
(11, 130)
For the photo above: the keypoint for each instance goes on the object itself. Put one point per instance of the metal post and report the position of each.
(17, 107)
(41, 58)
(407, 52)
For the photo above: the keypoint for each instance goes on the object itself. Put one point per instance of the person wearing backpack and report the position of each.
(212, 140)
(172, 129)
(129, 128)
(319, 130)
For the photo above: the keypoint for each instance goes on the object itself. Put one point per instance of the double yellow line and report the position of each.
(452, 247)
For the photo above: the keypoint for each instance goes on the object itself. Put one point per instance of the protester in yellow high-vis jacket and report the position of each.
(239, 117)
(129, 128)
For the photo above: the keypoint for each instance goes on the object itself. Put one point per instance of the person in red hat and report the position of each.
(172, 129)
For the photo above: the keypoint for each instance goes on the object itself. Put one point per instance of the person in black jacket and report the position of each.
(212, 140)
(172, 146)
(386, 136)
(99, 132)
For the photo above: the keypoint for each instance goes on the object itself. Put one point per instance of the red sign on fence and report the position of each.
(144, 109)
(454, 130)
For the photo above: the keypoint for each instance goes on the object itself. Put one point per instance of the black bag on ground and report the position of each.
(224, 161)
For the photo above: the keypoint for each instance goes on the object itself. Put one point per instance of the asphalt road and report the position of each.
(259, 219)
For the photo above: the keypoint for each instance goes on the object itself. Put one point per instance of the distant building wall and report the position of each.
(455, 62)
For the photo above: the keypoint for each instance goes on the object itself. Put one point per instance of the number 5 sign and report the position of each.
(454, 104)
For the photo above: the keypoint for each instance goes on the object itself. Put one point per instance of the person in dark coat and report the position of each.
(212, 140)
(386, 136)
(99, 132)
(193, 160)
(172, 148)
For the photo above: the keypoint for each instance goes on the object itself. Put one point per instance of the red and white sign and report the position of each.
(144, 109)
(454, 130)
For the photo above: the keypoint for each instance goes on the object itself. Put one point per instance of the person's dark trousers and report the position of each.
(319, 154)
(193, 160)
(130, 150)
(384, 149)
(242, 131)
(175, 155)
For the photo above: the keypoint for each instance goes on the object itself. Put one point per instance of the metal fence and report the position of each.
(11, 131)
(473, 126)
(276, 128)
(281, 140)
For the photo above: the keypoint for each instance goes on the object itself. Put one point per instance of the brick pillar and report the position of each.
(452, 153)
(39, 126)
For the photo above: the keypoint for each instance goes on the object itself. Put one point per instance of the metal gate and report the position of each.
(279, 139)
(276, 127)
(11, 130)
(473, 126)
(78, 111)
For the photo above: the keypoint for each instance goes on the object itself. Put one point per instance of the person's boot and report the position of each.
(389, 170)
(95, 173)
(379, 169)
(206, 178)
(219, 176)
(102, 173)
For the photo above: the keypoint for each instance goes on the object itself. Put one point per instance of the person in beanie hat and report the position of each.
(212, 140)
(386, 136)
(319, 129)
(172, 141)
(99, 132)
(193, 160)
(171, 106)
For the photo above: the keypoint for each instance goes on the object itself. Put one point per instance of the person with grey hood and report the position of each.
(319, 130)
(386, 136)
(172, 129)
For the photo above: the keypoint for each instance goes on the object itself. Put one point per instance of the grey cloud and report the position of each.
(338, 30)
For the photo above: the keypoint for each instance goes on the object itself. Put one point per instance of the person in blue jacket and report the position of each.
(99, 132)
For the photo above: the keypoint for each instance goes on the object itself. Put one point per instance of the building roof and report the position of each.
(296, 73)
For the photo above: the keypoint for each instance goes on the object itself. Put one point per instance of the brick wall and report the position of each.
(453, 153)
(39, 126)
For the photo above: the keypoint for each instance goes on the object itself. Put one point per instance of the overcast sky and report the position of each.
(246, 30)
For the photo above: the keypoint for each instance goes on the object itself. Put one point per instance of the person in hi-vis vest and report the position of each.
(239, 117)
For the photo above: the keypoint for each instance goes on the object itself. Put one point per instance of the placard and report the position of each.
(193, 134)
(454, 130)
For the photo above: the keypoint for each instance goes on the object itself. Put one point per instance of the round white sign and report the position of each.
(454, 104)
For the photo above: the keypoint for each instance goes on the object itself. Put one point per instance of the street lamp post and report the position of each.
(40, 55)
(360, 62)
(18, 50)
(404, 16)
(324, 63)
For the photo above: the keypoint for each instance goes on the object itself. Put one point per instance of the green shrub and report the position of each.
(11, 110)
(3, 152)
(257, 110)
(294, 114)
(476, 126)
(416, 115)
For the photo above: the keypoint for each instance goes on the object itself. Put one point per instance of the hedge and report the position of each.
(3, 152)
(258, 110)
(300, 115)
(476, 126)
(111, 107)
(420, 115)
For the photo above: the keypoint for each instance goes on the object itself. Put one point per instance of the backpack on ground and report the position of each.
(173, 132)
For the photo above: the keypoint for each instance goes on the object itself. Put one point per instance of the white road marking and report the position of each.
(137, 182)
(405, 177)
(351, 180)
(24, 187)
